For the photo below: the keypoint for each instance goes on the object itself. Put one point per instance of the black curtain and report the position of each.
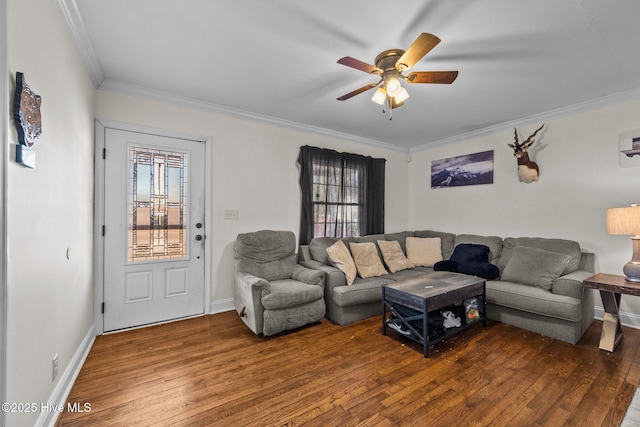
(333, 165)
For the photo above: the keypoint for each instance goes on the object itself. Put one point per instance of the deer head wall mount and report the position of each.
(528, 171)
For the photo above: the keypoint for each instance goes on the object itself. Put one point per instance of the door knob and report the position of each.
(198, 237)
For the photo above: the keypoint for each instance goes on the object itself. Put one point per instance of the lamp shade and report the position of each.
(624, 221)
(379, 96)
(402, 96)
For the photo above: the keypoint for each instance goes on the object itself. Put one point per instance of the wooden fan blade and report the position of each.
(443, 77)
(418, 49)
(359, 65)
(358, 91)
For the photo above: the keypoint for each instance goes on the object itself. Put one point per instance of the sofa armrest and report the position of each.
(571, 284)
(249, 280)
(333, 276)
(587, 262)
(304, 254)
(308, 275)
(317, 265)
(248, 293)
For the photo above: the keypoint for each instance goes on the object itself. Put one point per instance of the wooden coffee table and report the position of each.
(428, 293)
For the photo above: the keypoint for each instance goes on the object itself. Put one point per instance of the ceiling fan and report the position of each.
(390, 65)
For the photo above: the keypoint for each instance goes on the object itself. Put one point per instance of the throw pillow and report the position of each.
(468, 258)
(424, 251)
(393, 255)
(467, 253)
(367, 260)
(340, 257)
(535, 267)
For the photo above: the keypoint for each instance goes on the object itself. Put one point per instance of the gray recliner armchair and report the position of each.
(273, 293)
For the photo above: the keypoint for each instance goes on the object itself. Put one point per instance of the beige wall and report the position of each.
(253, 170)
(50, 209)
(580, 177)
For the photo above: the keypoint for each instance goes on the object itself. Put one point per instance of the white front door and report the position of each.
(154, 198)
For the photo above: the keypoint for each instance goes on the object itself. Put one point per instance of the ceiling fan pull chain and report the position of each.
(390, 108)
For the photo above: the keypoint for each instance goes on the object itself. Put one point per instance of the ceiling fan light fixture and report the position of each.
(393, 86)
(379, 96)
(389, 67)
(402, 96)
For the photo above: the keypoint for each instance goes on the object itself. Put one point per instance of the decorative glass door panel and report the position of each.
(157, 204)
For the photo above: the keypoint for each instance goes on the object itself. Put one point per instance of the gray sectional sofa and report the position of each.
(528, 294)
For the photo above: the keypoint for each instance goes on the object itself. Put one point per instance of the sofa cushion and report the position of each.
(268, 254)
(371, 238)
(470, 259)
(535, 267)
(533, 299)
(318, 248)
(424, 251)
(400, 238)
(423, 269)
(494, 244)
(289, 293)
(340, 257)
(393, 256)
(361, 292)
(407, 274)
(367, 260)
(567, 247)
(447, 240)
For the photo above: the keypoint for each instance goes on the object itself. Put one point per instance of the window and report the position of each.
(342, 194)
(157, 210)
(337, 199)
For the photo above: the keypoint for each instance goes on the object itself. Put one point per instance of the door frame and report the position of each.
(4, 163)
(100, 130)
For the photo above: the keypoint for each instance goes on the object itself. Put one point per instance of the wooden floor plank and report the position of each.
(212, 371)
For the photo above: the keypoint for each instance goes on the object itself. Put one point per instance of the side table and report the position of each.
(611, 287)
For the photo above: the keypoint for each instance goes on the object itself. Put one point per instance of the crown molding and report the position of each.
(605, 101)
(180, 101)
(167, 98)
(71, 14)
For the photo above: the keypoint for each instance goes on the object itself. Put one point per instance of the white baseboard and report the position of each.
(627, 319)
(222, 306)
(60, 393)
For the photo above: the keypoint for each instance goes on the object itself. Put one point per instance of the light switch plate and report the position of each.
(230, 214)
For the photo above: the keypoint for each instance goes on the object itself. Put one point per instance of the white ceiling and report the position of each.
(520, 61)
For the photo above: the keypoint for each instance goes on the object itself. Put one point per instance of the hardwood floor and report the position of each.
(212, 370)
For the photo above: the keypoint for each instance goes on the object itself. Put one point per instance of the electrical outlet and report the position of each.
(54, 367)
(230, 214)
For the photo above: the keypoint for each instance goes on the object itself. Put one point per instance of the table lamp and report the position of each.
(626, 221)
